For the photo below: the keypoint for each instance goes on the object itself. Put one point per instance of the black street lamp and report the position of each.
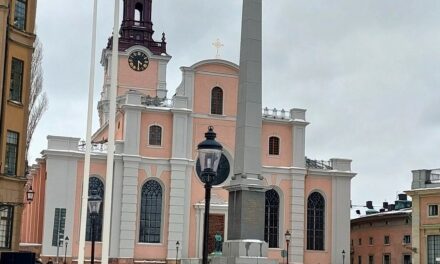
(210, 152)
(66, 241)
(343, 256)
(287, 236)
(94, 206)
(177, 250)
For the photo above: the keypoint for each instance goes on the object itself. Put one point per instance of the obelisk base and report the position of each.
(246, 251)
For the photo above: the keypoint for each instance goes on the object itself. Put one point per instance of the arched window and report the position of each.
(274, 146)
(95, 184)
(151, 212)
(155, 136)
(315, 221)
(271, 220)
(138, 12)
(217, 101)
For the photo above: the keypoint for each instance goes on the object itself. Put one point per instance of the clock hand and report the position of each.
(139, 64)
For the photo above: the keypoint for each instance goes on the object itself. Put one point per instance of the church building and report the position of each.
(158, 199)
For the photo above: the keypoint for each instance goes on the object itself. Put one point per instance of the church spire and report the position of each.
(137, 27)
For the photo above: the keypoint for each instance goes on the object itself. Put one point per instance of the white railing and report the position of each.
(96, 147)
(276, 113)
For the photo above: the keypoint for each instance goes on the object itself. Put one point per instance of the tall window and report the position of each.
(151, 212)
(433, 249)
(16, 80)
(20, 14)
(315, 221)
(155, 136)
(11, 153)
(138, 14)
(274, 146)
(6, 216)
(371, 259)
(217, 101)
(386, 240)
(271, 221)
(95, 184)
(387, 259)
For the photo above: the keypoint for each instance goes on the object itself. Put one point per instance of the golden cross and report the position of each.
(218, 45)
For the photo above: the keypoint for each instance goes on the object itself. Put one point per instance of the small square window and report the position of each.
(407, 239)
(433, 210)
(386, 240)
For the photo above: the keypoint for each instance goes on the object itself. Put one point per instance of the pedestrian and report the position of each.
(49, 261)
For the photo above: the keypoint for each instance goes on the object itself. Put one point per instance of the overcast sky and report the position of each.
(368, 73)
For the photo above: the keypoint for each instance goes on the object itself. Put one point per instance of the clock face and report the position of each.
(138, 60)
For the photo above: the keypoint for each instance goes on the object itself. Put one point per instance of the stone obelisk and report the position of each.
(245, 242)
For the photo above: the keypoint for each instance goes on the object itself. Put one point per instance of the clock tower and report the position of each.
(142, 60)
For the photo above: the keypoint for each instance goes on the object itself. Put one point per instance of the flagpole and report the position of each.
(111, 140)
(85, 186)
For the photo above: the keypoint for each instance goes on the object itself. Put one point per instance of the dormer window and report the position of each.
(217, 101)
(138, 16)
(274, 146)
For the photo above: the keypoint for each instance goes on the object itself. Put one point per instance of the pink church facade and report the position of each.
(157, 196)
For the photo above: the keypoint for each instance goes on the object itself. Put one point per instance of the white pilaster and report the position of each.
(340, 216)
(129, 207)
(299, 137)
(180, 189)
(297, 216)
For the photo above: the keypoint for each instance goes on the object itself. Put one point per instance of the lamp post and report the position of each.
(66, 241)
(177, 250)
(94, 204)
(287, 236)
(210, 152)
(343, 256)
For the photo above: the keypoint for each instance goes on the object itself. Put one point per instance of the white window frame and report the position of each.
(429, 210)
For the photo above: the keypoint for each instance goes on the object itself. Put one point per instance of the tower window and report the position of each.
(138, 15)
(16, 80)
(271, 220)
(274, 146)
(155, 136)
(20, 14)
(315, 221)
(217, 101)
(151, 212)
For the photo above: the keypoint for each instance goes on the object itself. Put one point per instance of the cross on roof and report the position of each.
(218, 45)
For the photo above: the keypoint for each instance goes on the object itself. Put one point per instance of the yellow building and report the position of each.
(17, 23)
(425, 194)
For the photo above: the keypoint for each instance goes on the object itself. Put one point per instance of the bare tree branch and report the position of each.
(38, 101)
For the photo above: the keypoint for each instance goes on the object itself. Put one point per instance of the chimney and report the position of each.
(370, 205)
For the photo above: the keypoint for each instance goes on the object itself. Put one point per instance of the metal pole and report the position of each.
(106, 229)
(287, 253)
(92, 261)
(65, 252)
(206, 222)
(177, 253)
(85, 185)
